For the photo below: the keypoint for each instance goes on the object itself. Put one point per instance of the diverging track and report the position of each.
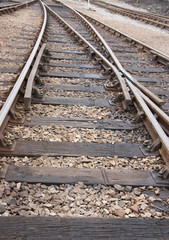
(82, 149)
(149, 18)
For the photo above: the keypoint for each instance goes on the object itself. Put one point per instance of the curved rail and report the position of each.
(109, 64)
(164, 139)
(152, 19)
(140, 97)
(11, 98)
(116, 61)
(162, 58)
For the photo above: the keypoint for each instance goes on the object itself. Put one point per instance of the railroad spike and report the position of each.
(139, 117)
(156, 144)
(42, 68)
(37, 93)
(5, 145)
(38, 82)
(119, 97)
(111, 87)
(46, 51)
(14, 117)
(164, 173)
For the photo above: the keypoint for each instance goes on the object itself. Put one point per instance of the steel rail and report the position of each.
(133, 14)
(149, 102)
(117, 63)
(154, 123)
(160, 132)
(17, 6)
(143, 16)
(30, 81)
(155, 108)
(153, 15)
(9, 102)
(109, 64)
(10, 5)
(146, 46)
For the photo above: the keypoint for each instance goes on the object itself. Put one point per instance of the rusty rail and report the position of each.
(30, 82)
(14, 92)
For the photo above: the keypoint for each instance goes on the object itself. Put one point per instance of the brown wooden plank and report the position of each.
(17, 47)
(146, 70)
(128, 177)
(15, 42)
(148, 79)
(79, 123)
(115, 43)
(26, 38)
(73, 75)
(72, 101)
(17, 61)
(71, 87)
(160, 92)
(132, 61)
(61, 41)
(123, 50)
(73, 65)
(9, 70)
(50, 175)
(67, 51)
(126, 55)
(30, 81)
(78, 57)
(18, 54)
(45, 228)
(39, 148)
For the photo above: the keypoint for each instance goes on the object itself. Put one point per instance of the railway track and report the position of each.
(11, 6)
(149, 18)
(2, 6)
(81, 148)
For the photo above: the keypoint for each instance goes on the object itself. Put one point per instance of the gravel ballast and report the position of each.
(148, 34)
(79, 200)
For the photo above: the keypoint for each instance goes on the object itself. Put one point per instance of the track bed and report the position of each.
(79, 167)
